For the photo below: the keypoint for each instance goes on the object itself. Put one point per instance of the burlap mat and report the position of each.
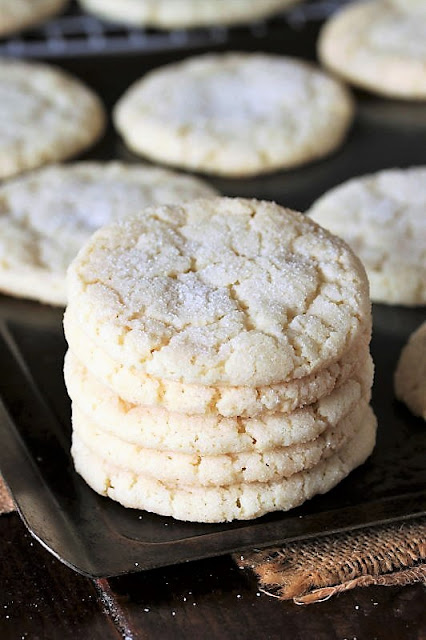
(6, 502)
(315, 570)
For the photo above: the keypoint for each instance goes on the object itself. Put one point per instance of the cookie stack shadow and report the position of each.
(210, 452)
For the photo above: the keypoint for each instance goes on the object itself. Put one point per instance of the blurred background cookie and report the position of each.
(382, 217)
(45, 115)
(378, 45)
(410, 374)
(235, 114)
(172, 14)
(411, 6)
(47, 216)
(20, 14)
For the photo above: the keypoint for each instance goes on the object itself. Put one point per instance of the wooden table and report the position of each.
(41, 599)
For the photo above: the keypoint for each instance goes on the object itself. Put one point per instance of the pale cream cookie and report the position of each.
(218, 470)
(382, 217)
(136, 387)
(223, 291)
(45, 115)
(210, 435)
(20, 14)
(379, 46)
(174, 14)
(220, 504)
(411, 6)
(47, 215)
(410, 374)
(235, 114)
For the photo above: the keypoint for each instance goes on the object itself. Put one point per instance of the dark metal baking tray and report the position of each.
(78, 33)
(98, 537)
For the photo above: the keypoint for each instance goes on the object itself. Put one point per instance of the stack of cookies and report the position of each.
(218, 360)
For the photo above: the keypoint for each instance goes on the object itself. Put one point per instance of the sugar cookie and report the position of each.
(217, 470)
(136, 387)
(223, 291)
(47, 216)
(45, 115)
(379, 46)
(235, 114)
(161, 430)
(20, 14)
(382, 217)
(410, 374)
(173, 14)
(219, 504)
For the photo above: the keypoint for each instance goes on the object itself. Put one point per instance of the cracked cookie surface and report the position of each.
(137, 387)
(172, 14)
(187, 114)
(222, 291)
(47, 216)
(382, 217)
(379, 46)
(45, 115)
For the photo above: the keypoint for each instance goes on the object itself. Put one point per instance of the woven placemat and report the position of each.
(315, 570)
(6, 502)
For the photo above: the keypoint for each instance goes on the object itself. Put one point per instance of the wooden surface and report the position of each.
(41, 599)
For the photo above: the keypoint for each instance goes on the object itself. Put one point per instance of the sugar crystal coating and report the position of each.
(235, 114)
(221, 291)
(48, 214)
(379, 45)
(46, 115)
(382, 217)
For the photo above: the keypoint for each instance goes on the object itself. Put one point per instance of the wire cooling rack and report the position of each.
(78, 34)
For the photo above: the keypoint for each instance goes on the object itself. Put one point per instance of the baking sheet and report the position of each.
(78, 33)
(98, 537)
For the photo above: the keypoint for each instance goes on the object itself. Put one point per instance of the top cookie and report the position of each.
(45, 115)
(19, 14)
(47, 215)
(221, 291)
(379, 46)
(382, 217)
(171, 14)
(235, 114)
